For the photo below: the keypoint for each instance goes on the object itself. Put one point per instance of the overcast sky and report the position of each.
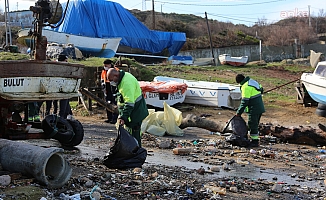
(236, 11)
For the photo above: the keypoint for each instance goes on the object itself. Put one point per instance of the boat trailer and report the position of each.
(303, 96)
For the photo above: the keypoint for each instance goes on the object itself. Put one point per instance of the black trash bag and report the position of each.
(125, 145)
(125, 153)
(239, 132)
(239, 126)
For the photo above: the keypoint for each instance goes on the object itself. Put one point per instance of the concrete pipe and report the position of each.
(47, 165)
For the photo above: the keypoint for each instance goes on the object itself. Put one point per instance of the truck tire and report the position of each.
(69, 133)
(320, 112)
(54, 125)
(321, 106)
(78, 134)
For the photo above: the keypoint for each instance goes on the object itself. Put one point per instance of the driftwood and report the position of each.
(108, 106)
(194, 121)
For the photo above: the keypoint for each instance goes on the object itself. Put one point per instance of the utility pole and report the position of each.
(309, 16)
(260, 50)
(7, 26)
(210, 39)
(153, 14)
(260, 47)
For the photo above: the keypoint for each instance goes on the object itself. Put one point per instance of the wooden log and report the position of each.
(194, 121)
(108, 106)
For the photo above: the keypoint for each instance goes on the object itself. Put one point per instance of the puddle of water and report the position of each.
(245, 171)
(161, 157)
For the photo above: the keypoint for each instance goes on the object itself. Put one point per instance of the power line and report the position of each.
(230, 17)
(220, 5)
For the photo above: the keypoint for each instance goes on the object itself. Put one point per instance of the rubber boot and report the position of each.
(254, 143)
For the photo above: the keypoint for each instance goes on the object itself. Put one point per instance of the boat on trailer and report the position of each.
(98, 47)
(315, 83)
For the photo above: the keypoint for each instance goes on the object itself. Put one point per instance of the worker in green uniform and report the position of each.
(131, 102)
(251, 103)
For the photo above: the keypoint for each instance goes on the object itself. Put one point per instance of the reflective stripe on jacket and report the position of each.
(251, 93)
(131, 103)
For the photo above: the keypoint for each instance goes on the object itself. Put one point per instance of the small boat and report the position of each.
(180, 60)
(156, 93)
(315, 83)
(89, 46)
(226, 59)
(209, 93)
(203, 61)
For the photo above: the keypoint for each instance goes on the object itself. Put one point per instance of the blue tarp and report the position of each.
(106, 19)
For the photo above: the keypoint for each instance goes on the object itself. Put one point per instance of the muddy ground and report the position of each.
(213, 170)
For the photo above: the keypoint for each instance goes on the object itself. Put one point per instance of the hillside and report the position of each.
(282, 33)
(223, 34)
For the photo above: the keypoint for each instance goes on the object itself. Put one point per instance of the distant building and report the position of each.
(22, 18)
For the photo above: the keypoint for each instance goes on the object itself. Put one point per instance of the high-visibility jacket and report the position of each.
(131, 102)
(104, 77)
(251, 93)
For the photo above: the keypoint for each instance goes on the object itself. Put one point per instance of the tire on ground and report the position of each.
(320, 112)
(53, 125)
(78, 136)
(321, 106)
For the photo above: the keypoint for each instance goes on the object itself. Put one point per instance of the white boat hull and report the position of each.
(226, 59)
(213, 94)
(98, 47)
(315, 83)
(209, 93)
(157, 99)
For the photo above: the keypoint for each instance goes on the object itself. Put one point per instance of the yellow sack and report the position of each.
(172, 120)
(161, 122)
